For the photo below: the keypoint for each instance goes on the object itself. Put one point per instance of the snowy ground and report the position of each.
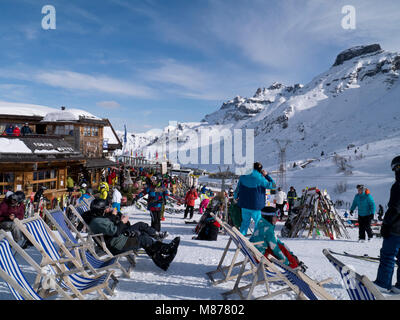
(186, 278)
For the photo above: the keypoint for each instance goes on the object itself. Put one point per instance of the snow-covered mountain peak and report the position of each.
(356, 51)
(354, 102)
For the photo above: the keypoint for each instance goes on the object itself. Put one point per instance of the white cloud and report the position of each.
(108, 104)
(81, 81)
(277, 34)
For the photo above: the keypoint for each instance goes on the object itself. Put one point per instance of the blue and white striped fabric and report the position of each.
(96, 263)
(246, 252)
(352, 280)
(37, 229)
(294, 279)
(82, 208)
(11, 267)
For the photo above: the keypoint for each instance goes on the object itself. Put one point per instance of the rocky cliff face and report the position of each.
(356, 52)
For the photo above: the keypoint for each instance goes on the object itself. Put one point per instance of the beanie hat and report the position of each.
(268, 211)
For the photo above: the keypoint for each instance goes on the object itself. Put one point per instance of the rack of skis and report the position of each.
(315, 216)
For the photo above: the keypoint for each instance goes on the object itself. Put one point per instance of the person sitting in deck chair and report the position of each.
(120, 236)
(265, 232)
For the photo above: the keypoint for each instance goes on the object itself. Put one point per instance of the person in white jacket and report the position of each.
(280, 199)
(116, 198)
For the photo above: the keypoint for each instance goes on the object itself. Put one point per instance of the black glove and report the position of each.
(351, 212)
(134, 200)
(132, 233)
(385, 231)
(302, 266)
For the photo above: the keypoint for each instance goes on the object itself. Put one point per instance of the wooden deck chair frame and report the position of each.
(18, 285)
(358, 287)
(87, 247)
(58, 264)
(98, 240)
(226, 272)
(272, 271)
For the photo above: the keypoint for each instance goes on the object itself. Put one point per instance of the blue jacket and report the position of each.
(155, 199)
(365, 204)
(265, 233)
(251, 190)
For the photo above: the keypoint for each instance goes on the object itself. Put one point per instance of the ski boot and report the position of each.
(165, 253)
(161, 235)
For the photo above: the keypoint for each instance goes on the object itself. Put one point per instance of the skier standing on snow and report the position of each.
(250, 192)
(390, 232)
(291, 196)
(190, 199)
(280, 198)
(116, 198)
(366, 210)
(270, 244)
(156, 195)
(380, 213)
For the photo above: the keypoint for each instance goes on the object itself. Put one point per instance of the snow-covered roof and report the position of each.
(109, 134)
(18, 109)
(69, 115)
(13, 146)
(48, 114)
(35, 145)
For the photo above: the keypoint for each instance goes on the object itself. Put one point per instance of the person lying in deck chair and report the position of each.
(120, 236)
(271, 245)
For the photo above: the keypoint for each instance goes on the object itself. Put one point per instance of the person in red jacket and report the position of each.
(190, 198)
(16, 131)
(9, 210)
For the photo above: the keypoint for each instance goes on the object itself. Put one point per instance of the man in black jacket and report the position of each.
(390, 232)
(120, 236)
(291, 197)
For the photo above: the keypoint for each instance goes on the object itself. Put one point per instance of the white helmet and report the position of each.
(84, 185)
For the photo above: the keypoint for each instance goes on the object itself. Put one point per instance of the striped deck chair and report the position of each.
(75, 279)
(12, 274)
(229, 271)
(273, 275)
(98, 239)
(87, 251)
(358, 287)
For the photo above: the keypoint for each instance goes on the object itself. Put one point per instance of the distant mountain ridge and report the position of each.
(354, 102)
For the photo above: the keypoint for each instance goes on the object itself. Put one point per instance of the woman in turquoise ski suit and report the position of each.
(366, 209)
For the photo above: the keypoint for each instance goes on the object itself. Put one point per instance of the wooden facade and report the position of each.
(77, 146)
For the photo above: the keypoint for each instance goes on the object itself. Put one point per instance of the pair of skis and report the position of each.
(365, 257)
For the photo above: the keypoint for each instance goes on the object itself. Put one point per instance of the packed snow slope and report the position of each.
(186, 277)
(353, 106)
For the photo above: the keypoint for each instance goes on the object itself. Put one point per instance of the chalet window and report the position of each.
(91, 131)
(46, 178)
(65, 130)
(6, 182)
(95, 131)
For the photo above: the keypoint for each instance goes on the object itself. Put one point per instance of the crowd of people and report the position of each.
(16, 131)
(237, 207)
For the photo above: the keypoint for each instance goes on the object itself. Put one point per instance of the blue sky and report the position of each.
(144, 63)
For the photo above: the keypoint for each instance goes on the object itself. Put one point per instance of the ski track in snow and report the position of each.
(186, 277)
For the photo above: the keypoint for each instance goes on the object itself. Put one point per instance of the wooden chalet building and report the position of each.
(63, 142)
